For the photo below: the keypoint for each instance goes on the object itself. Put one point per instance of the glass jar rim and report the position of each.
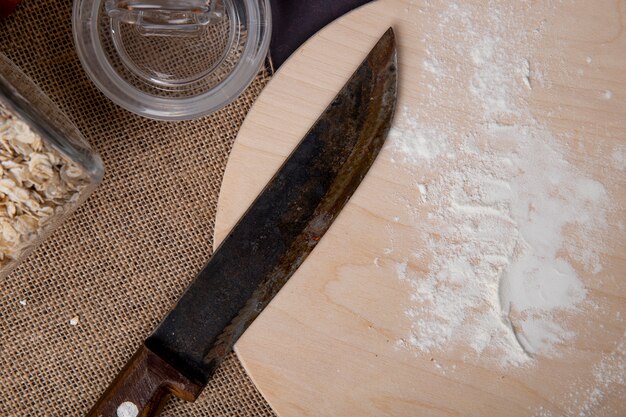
(92, 56)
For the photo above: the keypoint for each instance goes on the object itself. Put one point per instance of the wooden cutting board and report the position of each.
(334, 341)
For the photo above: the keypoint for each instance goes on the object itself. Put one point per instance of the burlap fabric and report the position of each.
(124, 258)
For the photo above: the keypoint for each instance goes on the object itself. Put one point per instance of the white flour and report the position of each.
(509, 219)
(619, 158)
(586, 398)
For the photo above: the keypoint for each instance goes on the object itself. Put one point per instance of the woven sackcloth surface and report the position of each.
(121, 261)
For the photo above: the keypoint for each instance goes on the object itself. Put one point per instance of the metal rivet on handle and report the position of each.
(127, 409)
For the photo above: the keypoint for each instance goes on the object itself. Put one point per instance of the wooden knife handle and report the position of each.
(143, 387)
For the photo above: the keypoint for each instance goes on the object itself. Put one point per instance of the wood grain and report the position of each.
(143, 387)
(326, 346)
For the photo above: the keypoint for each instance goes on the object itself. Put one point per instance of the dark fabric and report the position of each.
(295, 21)
(7, 6)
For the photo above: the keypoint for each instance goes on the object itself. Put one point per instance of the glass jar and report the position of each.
(172, 59)
(47, 169)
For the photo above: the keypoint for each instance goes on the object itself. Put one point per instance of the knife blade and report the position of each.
(265, 247)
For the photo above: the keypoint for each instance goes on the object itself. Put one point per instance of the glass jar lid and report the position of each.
(172, 59)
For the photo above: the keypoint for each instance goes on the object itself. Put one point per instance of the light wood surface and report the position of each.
(326, 346)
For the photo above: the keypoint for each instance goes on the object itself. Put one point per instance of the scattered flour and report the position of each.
(586, 398)
(609, 374)
(510, 219)
(619, 158)
(424, 144)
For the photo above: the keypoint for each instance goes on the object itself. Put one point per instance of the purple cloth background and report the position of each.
(295, 21)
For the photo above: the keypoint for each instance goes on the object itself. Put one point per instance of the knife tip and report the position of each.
(384, 52)
(389, 37)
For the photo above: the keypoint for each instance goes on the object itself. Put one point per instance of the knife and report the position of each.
(266, 246)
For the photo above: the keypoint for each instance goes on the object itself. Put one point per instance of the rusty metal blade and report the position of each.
(285, 222)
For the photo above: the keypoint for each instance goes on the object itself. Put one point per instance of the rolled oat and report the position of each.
(37, 183)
